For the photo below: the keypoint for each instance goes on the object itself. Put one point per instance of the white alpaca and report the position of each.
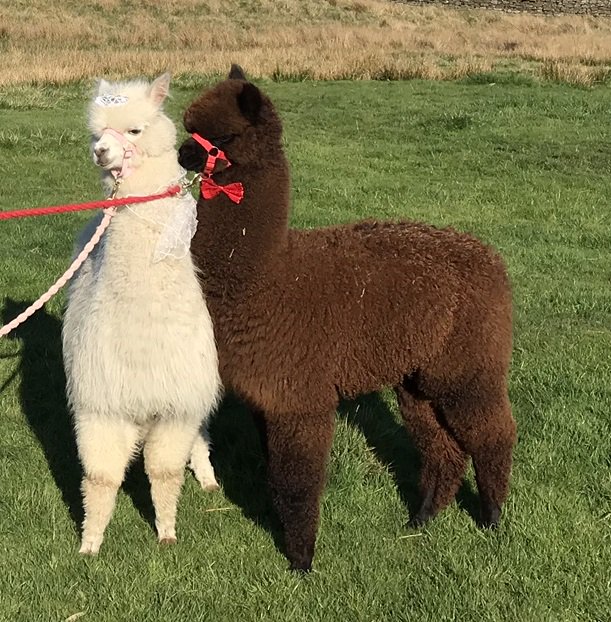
(139, 350)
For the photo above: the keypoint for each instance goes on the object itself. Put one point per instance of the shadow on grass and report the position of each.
(43, 401)
(240, 466)
(389, 441)
(237, 454)
(393, 447)
(239, 460)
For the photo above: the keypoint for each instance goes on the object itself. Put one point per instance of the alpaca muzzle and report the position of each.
(129, 150)
(191, 156)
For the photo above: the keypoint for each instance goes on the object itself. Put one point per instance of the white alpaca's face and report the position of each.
(133, 111)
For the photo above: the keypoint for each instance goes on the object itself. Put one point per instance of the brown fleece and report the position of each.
(304, 318)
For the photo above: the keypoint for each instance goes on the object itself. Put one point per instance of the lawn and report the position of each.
(523, 165)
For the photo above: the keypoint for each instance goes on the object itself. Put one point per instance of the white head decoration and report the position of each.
(108, 101)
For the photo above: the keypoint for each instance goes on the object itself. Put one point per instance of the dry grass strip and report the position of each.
(320, 39)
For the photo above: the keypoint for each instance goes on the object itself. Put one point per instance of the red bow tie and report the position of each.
(210, 189)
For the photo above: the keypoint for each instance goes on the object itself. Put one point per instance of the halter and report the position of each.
(209, 188)
(129, 149)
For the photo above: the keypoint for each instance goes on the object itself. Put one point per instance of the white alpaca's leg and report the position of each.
(105, 447)
(200, 461)
(166, 451)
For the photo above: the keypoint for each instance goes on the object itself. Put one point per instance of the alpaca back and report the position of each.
(363, 305)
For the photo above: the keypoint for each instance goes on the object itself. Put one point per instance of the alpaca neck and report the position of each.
(235, 243)
(143, 224)
(153, 174)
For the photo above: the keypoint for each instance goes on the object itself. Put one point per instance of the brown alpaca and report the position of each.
(305, 318)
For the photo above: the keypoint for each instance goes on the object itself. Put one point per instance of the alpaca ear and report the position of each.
(160, 88)
(102, 86)
(249, 101)
(236, 73)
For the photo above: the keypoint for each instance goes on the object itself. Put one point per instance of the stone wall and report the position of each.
(547, 7)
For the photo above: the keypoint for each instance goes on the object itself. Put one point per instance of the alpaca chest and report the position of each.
(138, 337)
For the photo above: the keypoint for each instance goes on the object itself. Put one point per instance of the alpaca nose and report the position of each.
(191, 156)
(100, 150)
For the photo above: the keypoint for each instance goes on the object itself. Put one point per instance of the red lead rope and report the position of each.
(78, 261)
(77, 207)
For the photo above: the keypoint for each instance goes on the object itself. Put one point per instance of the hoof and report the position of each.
(490, 514)
(301, 559)
(167, 541)
(301, 568)
(422, 517)
(490, 521)
(490, 526)
(418, 522)
(206, 479)
(90, 547)
(424, 513)
(210, 486)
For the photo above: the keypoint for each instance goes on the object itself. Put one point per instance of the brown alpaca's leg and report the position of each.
(298, 449)
(443, 461)
(259, 421)
(487, 432)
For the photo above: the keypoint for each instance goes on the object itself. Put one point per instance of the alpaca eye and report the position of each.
(135, 132)
(222, 140)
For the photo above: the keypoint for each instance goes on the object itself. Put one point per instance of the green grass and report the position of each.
(525, 167)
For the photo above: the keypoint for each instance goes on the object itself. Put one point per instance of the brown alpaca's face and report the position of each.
(235, 117)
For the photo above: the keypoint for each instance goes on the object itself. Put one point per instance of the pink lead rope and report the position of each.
(64, 278)
(209, 189)
(110, 206)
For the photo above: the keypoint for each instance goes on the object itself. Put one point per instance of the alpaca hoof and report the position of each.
(425, 512)
(418, 522)
(490, 520)
(166, 535)
(86, 551)
(489, 525)
(204, 474)
(423, 516)
(301, 558)
(90, 546)
(207, 481)
(490, 514)
(302, 567)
